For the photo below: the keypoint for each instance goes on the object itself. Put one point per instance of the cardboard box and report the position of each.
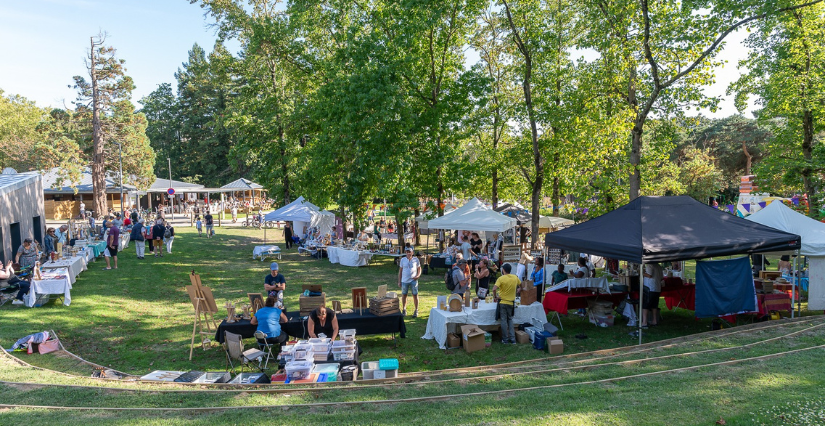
(554, 346)
(472, 338)
(522, 337)
(528, 293)
(453, 341)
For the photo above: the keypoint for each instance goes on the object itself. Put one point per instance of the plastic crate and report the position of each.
(298, 370)
(371, 371)
(301, 352)
(344, 355)
(347, 335)
(388, 364)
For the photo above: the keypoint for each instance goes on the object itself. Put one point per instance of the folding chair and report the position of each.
(265, 346)
(233, 346)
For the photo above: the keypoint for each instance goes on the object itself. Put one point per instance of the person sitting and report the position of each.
(582, 271)
(269, 319)
(323, 321)
(275, 284)
(363, 236)
(7, 279)
(558, 276)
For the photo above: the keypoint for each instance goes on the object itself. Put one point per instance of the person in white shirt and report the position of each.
(408, 274)
(582, 271)
(652, 290)
(467, 249)
(82, 209)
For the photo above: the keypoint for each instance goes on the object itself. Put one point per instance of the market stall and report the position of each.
(485, 314)
(348, 257)
(780, 216)
(74, 265)
(365, 323)
(54, 281)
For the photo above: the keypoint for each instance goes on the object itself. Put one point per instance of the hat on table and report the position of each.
(273, 266)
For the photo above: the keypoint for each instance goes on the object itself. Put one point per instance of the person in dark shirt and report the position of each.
(157, 237)
(275, 284)
(323, 320)
(288, 236)
(209, 224)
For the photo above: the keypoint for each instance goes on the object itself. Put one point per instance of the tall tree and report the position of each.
(664, 52)
(785, 72)
(164, 131)
(103, 103)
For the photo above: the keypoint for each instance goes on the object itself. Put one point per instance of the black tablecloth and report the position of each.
(296, 327)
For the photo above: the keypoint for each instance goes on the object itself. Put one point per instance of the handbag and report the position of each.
(50, 345)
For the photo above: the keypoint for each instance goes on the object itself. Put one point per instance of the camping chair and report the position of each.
(266, 347)
(233, 345)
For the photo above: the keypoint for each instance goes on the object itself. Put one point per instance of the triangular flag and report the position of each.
(763, 204)
(795, 201)
(730, 208)
(747, 207)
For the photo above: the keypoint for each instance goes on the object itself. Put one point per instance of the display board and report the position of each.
(553, 256)
(510, 253)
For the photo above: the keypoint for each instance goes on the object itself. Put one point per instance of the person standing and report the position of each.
(288, 236)
(408, 274)
(158, 231)
(482, 276)
(112, 245)
(138, 236)
(199, 225)
(82, 209)
(505, 292)
(168, 236)
(49, 242)
(207, 218)
(653, 277)
(275, 284)
(460, 280)
(26, 254)
(538, 278)
(234, 213)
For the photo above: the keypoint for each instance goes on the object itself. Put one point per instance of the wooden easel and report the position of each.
(204, 304)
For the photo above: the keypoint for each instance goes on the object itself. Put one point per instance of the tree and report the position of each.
(786, 74)
(664, 52)
(103, 104)
(163, 126)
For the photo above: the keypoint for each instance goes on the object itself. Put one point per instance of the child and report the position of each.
(199, 225)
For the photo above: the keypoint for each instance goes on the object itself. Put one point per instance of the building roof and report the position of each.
(52, 183)
(13, 182)
(243, 184)
(163, 184)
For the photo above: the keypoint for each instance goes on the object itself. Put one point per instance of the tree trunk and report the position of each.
(439, 201)
(284, 169)
(635, 160)
(748, 158)
(538, 161)
(343, 216)
(414, 226)
(98, 161)
(807, 152)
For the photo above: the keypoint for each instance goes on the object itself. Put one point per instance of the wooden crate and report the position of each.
(386, 306)
(307, 304)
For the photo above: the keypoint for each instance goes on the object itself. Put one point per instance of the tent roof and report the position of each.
(659, 229)
(473, 216)
(519, 213)
(554, 222)
(242, 184)
(779, 216)
(299, 210)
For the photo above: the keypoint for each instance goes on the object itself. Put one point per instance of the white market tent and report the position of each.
(300, 212)
(324, 221)
(779, 216)
(424, 218)
(554, 222)
(474, 216)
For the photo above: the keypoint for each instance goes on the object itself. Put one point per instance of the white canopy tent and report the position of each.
(779, 216)
(554, 222)
(474, 216)
(324, 221)
(424, 218)
(300, 212)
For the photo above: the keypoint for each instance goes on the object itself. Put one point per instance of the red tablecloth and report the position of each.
(773, 302)
(672, 281)
(563, 301)
(786, 288)
(681, 296)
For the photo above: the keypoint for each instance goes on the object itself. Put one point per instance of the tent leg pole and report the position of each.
(641, 298)
(793, 286)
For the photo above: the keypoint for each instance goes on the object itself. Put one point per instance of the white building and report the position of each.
(21, 211)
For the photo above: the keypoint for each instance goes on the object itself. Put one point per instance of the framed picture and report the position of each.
(256, 301)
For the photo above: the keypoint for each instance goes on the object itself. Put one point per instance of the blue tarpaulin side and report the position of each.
(724, 287)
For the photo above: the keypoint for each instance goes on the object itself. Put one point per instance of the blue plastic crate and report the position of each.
(388, 364)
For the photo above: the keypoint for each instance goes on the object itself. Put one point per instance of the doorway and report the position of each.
(38, 230)
(16, 239)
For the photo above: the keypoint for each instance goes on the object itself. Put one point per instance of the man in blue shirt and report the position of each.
(275, 284)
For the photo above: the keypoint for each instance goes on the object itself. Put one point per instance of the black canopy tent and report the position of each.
(661, 229)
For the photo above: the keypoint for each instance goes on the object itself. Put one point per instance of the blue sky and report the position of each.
(43, 43)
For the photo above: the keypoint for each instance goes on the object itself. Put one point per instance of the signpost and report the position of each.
(171, 192)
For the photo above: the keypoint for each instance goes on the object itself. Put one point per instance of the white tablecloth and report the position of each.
(263, 251)
(88, 254)
(599, 283)
(484, 315)
(348, 257)
(56, 281)
(124, 241)
(75, 266)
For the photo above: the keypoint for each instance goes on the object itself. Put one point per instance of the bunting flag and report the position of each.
(747, 207)
(763, 204)
(730, 208)
(585, 211)
(795, 201)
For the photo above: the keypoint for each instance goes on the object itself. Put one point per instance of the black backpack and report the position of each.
(448, 280)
